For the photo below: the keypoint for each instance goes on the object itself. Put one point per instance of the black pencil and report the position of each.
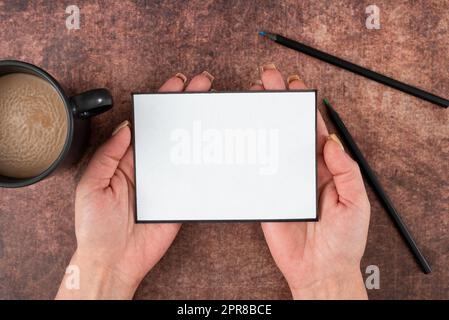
(356, 69)
(377, 187)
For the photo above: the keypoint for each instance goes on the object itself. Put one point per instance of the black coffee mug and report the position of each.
(79, 109)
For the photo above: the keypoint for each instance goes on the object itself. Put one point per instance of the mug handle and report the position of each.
(91, 103)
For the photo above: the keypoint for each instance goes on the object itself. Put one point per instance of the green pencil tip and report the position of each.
(328, 106)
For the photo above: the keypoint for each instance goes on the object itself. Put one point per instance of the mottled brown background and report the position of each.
(134, 45)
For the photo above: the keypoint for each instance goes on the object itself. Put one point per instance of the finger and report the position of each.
(174, 84)
(328, 198)
(346, 174)
(324, 176)
(295, 83)
(256, 86)
(201, 82)
(106, 159)
(322, 132)
(271, 78)
(127, 164)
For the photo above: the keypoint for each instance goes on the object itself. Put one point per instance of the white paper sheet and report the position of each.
(225, 156)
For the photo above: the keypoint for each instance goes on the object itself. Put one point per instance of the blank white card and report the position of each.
(225, 156)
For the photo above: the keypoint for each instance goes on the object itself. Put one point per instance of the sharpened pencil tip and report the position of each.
(268, 35)
(328, 106)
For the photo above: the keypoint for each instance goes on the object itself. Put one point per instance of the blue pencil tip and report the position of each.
(262, 33)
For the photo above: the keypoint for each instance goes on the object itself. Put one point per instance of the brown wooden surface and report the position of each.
(134, 45)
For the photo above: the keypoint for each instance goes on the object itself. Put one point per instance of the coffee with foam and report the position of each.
(33, 125)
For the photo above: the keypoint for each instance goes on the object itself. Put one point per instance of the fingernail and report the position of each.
(181, 76)
(208, 76)
(255, 83)
(125, 123)
(269, 66)
(334, 137)
(292, 78)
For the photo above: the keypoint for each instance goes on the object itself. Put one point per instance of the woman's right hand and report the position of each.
(321, 259)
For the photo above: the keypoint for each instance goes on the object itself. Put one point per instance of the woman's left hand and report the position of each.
(113, 252)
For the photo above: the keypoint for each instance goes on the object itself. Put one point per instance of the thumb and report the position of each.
(346, 173)
(106, 159)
